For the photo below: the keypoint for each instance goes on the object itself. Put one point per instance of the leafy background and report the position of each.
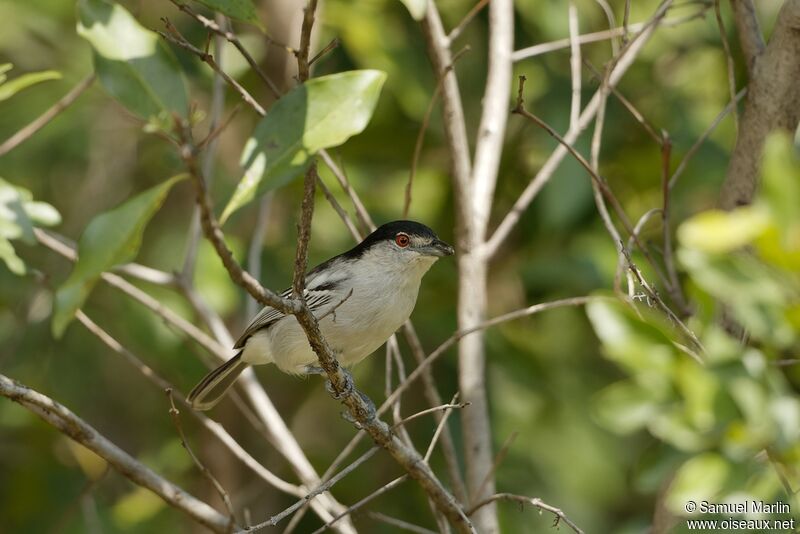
(605, 410)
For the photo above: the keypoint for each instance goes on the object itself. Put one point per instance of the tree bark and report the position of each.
(773, 99)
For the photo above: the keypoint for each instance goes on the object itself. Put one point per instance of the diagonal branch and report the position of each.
(79, 430)
(773, 102)
(750, 37)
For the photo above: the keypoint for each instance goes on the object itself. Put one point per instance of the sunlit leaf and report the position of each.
(19, 213)
(416, 7)
(701, 478)
(624, 407)
(10, 258)
(137, 506)
(718, 232)
(111, 238)
(10, 88)
(242, 10)
(131, 62)
(323, 112)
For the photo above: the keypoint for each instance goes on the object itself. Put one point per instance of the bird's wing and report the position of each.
(318, 294)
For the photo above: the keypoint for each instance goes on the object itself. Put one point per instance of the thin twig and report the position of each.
(256, 243)
(440, 408)
(627, 56)
(217, 108)
(174, 36)
(23, 134)
(501, 455)
(231, 37)
(327, 48)
(399, 523)
(305, 41)
(560, 44)
(728, 60)
(176, 420)
(574, 64)
(322, 488)
(702, 139)
(212, 426)
(418, 148)
(455, 33)
(366, 500)
(538, 503)
(76, 428)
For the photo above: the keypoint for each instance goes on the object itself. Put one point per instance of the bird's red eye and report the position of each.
(402, 240)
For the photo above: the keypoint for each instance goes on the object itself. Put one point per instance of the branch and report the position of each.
(42, 120)
(278, 434)
(231, 38)
(305, 41)
(455, 129)
(773, 102)
(76, 428)
(750, 37)
(212, 426)
(626, 58)
(538, 503)
(174, 36)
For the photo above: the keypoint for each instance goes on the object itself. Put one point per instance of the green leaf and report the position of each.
(323, 112)
(19, 213)
(131, 62)
(10, 258)
(701, 478)
(242, 10)
(14, 220)
(112, 238)
(624, 407)
(719, 232)
(9, 89)
(416, 8)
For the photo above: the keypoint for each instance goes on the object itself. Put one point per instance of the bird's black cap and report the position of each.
(388, 231)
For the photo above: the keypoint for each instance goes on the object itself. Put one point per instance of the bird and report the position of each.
(360, 297)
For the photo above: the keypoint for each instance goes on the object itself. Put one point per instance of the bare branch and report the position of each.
(256, 243)
(44, 119)
(560, 44)
(449, 342)
(174, 36)
(627, 56)
(574, 64)
(361, 212)
(217, 108)
(728, 59)
(277, 432)
(305, 41)
(702, 139)
(453, 111)
(175, 414)
(456, 32)
(750, 37)
(322, 488)
(76, 428)
(212, 426)
(538, 503)
(404, 525)
(773, 102)
(418, 148)
(366, 500)
(231, 38)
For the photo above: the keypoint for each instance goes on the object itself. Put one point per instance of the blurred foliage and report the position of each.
(612, 415)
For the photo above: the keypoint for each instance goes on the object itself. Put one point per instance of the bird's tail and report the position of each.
(213, 386)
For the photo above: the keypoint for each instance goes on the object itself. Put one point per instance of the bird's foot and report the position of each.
(314, 370)
(348, 386)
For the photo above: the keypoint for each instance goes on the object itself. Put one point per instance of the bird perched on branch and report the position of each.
(360, 297)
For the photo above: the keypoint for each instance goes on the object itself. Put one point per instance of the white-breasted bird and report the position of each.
(383, 272)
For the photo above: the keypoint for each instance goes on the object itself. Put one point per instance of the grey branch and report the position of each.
(76, 428)
(773, 102)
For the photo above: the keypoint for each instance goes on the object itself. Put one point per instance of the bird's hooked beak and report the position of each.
(437, 248)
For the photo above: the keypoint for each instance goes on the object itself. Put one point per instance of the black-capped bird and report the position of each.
(373, 288)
